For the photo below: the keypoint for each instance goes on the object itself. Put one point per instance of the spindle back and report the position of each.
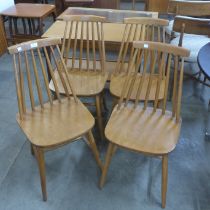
(154, 59)
(139, 29)
(30, 69)
(83, 42)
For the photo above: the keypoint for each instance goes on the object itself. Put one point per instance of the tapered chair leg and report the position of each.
(94, 148)
(109, 154)
(164, 179)
(114, 102)
(32, 150)
(41, 164)
(99, 116)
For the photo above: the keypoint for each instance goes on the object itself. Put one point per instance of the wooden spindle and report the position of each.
(44, 76)
(166, 83)
(22, 92)
(175, 76)
(81, 46)
(160, 76)
(66, 74)
(29, 81)
(60, 73)
(179, 94)
(93, 46)
(52, 74)
(38, 86)
(88, 48)
(75, 45)
(18, 88)
(151, 75)
(142, 78)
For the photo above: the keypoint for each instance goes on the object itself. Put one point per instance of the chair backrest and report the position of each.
(159, 6)
(189, 8)
(31, 71)
(154, 59)
(139, 29)
(83, 42)
(190, 25)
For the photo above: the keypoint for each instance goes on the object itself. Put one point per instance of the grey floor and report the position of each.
(133, 182)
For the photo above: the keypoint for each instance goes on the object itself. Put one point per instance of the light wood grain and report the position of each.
(48, 124)
(138, 126)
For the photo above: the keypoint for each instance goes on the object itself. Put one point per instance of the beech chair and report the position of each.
(191, 8)
(194, 34)
(83, 50)
(48, 123)
(149, 29)
(138, 126)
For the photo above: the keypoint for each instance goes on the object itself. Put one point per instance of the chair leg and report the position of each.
(103, 102)
(114, 102)
(94, 149)
(99, 116)
(164, 179)
(109, 155)
(32, 150)
(41, 164)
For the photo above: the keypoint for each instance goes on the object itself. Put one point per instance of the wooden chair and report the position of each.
(159, 6)
(138, 127)
(194, 34)
(84, 54)
(136, 29)
(49, 123)
(192, 8)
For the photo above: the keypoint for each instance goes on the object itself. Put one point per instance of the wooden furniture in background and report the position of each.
(138, 127)
(108, 4)
(186, 8)
(85, 59)
(194, 34)
(112, 15)
(32, 1)
(84, 3)
(137, 29)
(49, 123)
(159, 6)
(28, 13)
(3, 41)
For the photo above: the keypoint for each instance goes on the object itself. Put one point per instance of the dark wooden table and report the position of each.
(27, 13)
(204, 65)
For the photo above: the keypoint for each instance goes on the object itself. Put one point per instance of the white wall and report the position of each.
(4, 4)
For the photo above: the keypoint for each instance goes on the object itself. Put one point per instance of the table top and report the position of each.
(204, 60)
(113, 32)
(29, 10)
(112, 15)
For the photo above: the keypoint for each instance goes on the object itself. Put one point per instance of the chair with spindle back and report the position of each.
(84, 54)
(137, 125)
(190, 8)
(149, 29)
(49, 123)
(194, 34)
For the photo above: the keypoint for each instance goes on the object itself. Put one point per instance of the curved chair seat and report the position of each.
(117, 83)
(143, 130)
(193, 43)
(85, 83)
(58, 124)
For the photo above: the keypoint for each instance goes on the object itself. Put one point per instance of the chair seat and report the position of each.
(85, 83)
(57, 124)
(143, 131)
(117, 83)
(193, 43)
